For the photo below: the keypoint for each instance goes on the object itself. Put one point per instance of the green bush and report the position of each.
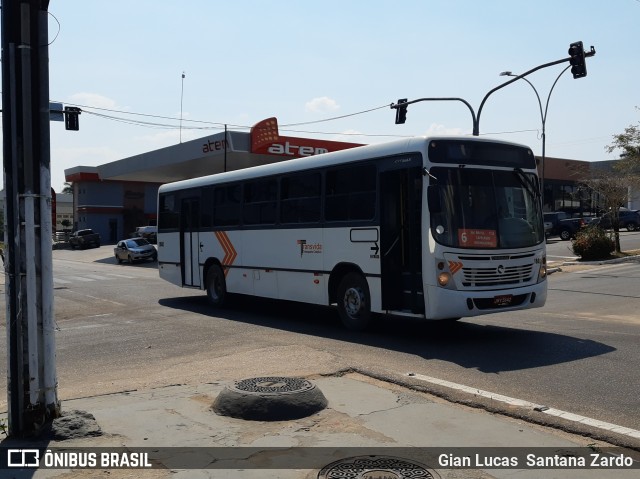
(592, 243)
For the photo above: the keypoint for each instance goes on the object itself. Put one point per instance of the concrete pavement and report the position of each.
(186, 439)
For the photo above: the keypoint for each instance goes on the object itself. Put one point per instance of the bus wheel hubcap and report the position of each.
(353, 301)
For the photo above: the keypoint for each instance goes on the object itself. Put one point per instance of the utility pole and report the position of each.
(32, 382)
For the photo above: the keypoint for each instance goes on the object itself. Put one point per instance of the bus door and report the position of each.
(190, 241)
(400, 239)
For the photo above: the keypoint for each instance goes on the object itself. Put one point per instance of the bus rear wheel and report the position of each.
(354, 302)
(216, 286)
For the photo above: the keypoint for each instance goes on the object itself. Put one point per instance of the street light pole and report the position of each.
(181, 97)
(543, 117)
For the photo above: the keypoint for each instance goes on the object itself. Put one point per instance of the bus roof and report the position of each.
(395, 147)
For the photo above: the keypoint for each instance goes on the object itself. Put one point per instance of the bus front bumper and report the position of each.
(444, 303)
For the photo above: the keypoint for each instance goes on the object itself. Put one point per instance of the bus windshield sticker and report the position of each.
(477, 238)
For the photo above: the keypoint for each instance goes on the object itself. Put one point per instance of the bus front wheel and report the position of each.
(216, 286)
(354, 302)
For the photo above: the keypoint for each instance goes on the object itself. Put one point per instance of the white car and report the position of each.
(150, 233)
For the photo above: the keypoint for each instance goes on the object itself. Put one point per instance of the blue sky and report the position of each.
(303, 61)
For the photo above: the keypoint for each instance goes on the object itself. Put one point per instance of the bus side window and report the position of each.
(300, 198)
(226, 205)
(206, 211)
(169, 216)
(260, 202)
(350, 193)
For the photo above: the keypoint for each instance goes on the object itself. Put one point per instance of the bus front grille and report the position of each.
(497, 276)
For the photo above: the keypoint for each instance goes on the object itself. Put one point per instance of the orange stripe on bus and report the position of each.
(230, 252)
(455, 266)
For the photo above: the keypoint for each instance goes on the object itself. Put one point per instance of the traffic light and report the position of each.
(578, 65)
(401, 112)
(71, 120)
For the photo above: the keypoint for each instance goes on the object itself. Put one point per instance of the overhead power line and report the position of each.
(209, 125)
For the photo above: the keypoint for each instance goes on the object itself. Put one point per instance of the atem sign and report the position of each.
(217, 145)
(265, 139)
(294, 150)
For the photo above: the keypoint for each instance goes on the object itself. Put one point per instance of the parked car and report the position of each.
(84, 239)
(548, 226)
(629, 219)
(563, 225)
(135, 249)
(150, 233)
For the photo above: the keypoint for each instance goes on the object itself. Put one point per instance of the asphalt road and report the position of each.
(121, 328)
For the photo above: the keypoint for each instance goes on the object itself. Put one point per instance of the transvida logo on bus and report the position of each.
(309, 248)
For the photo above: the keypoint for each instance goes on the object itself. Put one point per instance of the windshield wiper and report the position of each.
(527, 182)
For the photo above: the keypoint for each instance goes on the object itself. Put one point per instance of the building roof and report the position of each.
(224, 151)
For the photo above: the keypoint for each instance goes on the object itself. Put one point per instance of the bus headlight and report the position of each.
(444, 278)
(542, 274)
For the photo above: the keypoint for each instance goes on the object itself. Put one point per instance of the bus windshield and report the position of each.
(485, 209)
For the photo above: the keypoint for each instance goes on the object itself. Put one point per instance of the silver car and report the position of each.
(135, 249)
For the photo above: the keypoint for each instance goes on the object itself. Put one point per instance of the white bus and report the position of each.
(434, 228)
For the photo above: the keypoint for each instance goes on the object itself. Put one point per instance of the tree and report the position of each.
(67, 188)
(612, 189)
(629, 145)
(615, 186)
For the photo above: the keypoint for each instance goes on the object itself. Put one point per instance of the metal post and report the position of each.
(543, 117)
(32, 381)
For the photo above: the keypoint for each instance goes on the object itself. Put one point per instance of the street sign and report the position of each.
(56, 111)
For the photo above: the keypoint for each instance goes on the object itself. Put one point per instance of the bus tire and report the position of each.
(216, 286)
(354, 302)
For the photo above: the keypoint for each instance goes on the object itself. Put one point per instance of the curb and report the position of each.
(628, 259)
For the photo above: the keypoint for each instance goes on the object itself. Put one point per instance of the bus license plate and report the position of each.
(502, 300)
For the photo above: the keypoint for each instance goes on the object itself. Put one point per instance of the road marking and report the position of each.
(90, 277)
(96, 276)
(105, 300)
(626, 431)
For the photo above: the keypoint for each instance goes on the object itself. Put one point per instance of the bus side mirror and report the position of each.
(433, 199)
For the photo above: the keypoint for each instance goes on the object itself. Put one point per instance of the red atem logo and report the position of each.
(294, 150)
(265, 139)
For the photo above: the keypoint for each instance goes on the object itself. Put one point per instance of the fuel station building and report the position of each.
(115, 198)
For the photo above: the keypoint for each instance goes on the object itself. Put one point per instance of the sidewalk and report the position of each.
(362, 413)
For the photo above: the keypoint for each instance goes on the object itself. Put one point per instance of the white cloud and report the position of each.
(441, 130)
(154, 141)
(94, 100)
(350, 136)
(88, 156)
(322, 104)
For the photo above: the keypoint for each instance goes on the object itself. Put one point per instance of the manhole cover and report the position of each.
(273, 385)
(271, 398)
(376, 467)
